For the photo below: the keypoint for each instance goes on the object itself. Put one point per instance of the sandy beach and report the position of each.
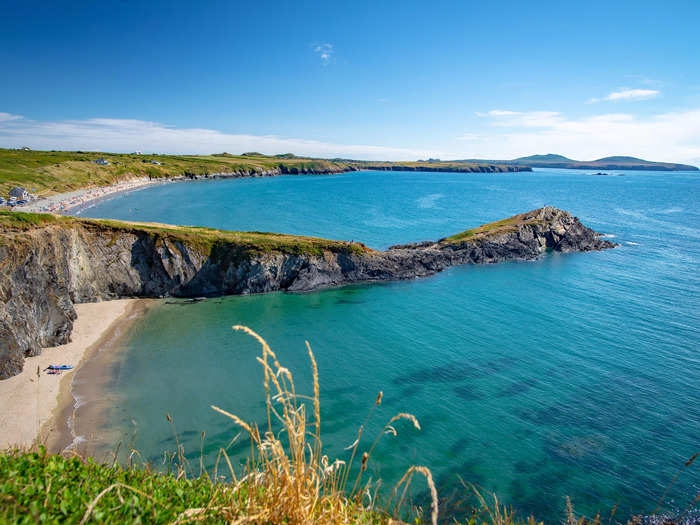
(30, 401)
(63, 202)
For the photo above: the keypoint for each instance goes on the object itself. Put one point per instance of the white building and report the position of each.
(19, 193)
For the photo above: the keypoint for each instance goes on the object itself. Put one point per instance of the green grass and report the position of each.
(50, 172)
(207, 241)
(460, 166)
(509, 225)
(38, 487)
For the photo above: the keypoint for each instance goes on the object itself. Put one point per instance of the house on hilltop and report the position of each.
(19, 193)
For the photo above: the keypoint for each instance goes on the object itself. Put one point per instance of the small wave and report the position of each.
(632, 243)
(608, 235)
(78, 401)
(77, 440)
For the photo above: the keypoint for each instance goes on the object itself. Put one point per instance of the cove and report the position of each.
(573, 375)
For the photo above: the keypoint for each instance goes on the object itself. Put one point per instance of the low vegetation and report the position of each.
(49, 172)
(204, 240)
(509, 225)
(435, 165)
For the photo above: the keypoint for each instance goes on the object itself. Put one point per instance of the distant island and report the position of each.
(606, 163)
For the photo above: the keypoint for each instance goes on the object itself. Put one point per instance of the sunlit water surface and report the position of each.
(574, 375)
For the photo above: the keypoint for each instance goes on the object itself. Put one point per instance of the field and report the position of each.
(50, 172)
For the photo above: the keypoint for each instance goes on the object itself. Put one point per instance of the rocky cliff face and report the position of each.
(48, 267)
(482, 168)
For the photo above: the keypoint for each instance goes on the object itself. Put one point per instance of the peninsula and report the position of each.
(48, 263)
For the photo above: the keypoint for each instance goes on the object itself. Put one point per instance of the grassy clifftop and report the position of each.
(511, 224)
(202, 239)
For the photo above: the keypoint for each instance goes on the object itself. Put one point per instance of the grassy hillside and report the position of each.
(59, 171)
(437, 165)
(50, 172)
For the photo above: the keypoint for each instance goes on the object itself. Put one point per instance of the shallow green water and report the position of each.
(574, 375)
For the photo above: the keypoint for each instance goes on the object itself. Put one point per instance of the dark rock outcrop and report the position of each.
(44, 270)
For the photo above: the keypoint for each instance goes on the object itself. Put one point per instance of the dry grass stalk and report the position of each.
(288, 478)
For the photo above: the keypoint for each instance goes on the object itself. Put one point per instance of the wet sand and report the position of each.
(32, 399)
(81, 417)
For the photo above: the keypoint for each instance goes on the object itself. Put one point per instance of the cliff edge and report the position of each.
(48, 263)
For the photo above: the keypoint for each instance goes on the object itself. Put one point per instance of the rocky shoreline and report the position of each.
(47, 267)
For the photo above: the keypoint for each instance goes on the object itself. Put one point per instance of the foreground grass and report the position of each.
(36, 487)
(287, 479)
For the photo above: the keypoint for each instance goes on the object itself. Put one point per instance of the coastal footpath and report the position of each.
(49, 263)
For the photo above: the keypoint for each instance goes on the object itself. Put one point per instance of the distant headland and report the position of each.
(33, 173)
(606, 163)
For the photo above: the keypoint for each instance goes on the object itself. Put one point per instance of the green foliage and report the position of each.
(60, 171)
(512, 224)
(50, 172)
(36, 487)
(24, 221)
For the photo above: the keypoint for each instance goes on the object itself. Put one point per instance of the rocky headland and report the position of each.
(49, 263)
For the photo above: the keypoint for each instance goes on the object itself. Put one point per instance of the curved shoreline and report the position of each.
(32, 401)
(81, 406)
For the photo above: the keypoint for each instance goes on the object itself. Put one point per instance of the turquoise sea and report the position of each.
(574, 375)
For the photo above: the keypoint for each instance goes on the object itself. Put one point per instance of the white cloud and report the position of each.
(325, 51)
(498, 113)
(671, 137)
(122, 135)
(8, 116)
(628, 95)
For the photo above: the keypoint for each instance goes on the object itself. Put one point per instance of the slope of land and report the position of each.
(48, 263)
(50, 172)
(451, 166)
(607, 163)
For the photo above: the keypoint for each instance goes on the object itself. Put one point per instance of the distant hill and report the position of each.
(549, 157)
(551, 160)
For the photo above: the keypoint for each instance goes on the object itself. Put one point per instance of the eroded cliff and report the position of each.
(49, 263)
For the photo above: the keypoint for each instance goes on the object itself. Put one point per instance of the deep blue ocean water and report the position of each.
(574, 375)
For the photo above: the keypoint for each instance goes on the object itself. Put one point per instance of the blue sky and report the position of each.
(394, 80)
